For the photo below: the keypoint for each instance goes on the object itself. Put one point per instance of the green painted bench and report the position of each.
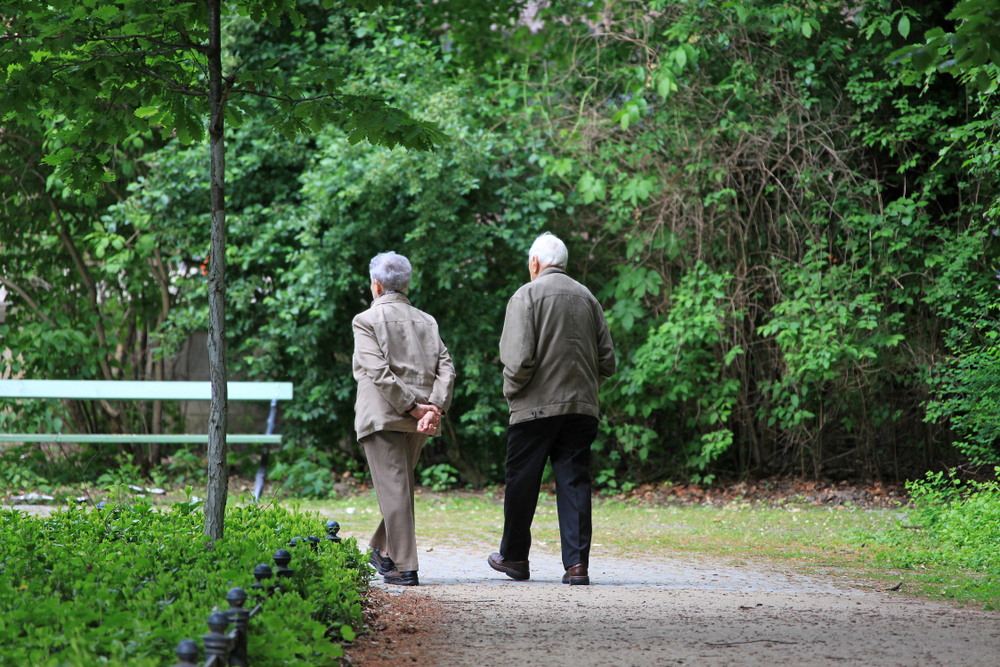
(142, 391)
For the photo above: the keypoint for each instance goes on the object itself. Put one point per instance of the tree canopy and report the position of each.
(790, 228)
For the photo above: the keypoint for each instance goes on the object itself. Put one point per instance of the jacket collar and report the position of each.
(390, 297)
(551, 269)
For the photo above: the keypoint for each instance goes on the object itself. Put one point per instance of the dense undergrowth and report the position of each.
(951, 524)
(123, 585)
(792, 232)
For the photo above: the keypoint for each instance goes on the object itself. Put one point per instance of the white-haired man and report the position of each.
(556, 351)
(405, 382)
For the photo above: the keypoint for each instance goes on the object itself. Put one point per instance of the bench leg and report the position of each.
(265, 454)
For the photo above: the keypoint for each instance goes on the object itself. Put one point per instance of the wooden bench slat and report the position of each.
(140, 391)
(168, 439)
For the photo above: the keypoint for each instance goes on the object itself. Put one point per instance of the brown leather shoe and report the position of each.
(515, 569)
(576, 576)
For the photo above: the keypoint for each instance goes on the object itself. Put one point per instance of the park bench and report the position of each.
(114, 390)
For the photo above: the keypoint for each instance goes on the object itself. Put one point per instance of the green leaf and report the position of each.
(807, 29)
(106, 11)
(680, 57)
(590, 187)
(904, 26)
(59, 157)
(666, 83)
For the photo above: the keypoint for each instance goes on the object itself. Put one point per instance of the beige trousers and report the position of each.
(392, 456)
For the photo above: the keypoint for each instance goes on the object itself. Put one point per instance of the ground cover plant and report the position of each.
(123, 585)
(954, 525)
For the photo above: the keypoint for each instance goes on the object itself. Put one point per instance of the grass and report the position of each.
(866, 548)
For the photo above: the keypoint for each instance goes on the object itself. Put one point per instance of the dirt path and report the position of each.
(684, 612)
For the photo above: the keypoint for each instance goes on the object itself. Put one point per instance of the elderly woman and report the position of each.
(405, 382)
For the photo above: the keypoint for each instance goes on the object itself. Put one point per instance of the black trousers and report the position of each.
(565, 439)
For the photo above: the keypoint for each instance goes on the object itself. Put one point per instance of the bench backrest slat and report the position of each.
(140, 391)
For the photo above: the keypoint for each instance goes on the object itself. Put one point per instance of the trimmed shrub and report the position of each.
(125, 584)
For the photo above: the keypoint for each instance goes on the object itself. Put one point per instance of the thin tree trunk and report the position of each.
(218, 473)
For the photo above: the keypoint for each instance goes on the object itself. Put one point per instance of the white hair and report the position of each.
(392, 271)
(549, 250)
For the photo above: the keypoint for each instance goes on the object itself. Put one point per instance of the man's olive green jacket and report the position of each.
(399, 359)
(555, 348)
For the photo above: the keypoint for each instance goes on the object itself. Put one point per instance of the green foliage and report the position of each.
(125, 584)
(788, 233)
(308, 215)
(676, 373)
(968, 389)
(778, 147)
(957, 524)
(439, 477)
(970, 49)
(95, 79)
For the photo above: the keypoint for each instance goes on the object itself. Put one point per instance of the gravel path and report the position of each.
(687, 612)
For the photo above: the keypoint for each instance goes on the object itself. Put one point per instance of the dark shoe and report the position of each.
(382, 563)
(397, 578)
(515, 569)
(576, 576)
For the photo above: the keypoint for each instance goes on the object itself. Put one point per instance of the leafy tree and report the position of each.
(88, 77)
(307, 215)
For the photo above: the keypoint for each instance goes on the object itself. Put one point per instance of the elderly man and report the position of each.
(405, 381)
(556, 351)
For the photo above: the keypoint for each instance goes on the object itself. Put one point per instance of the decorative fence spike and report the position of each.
(332, 528)
(222, 648)
(216, 641)
(282, 558)
(187, 652)
(240, 618)
(260, 573)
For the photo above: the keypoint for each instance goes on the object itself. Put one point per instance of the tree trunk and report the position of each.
(218, 469)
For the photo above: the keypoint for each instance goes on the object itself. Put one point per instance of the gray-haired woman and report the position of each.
(405, 383)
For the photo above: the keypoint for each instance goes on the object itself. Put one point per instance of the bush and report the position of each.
(125, 584)
(963, 517)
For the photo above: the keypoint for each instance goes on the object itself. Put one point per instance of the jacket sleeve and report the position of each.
(375, 365)
(444, 380)
(517, 346)
(606, 364)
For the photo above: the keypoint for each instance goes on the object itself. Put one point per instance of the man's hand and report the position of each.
(421, 409)
(428, 424)
(428, 416)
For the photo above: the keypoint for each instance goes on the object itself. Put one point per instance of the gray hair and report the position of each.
(392, 271)
(549, 250)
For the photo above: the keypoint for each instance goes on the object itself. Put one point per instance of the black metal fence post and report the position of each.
(216, 641)
(332, 528)
(230, 648)
(240, 618)
(187, 652)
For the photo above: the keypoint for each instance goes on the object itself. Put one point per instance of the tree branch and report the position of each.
(108, 56)
(24, 295)
(287, 99)
(88, 281)
(172, 85)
